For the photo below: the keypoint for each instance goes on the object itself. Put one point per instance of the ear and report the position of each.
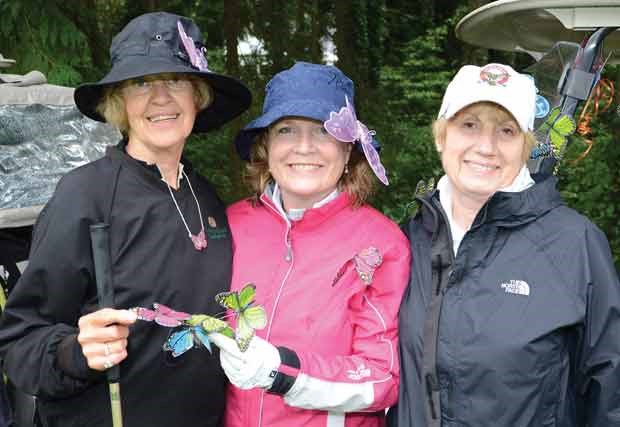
(347, 148)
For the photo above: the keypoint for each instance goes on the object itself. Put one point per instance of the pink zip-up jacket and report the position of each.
(330, 306)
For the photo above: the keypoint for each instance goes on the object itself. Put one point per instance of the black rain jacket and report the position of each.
(153, 260)
(520, 329)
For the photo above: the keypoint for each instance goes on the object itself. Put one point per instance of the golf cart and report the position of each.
(569, 63)
(42, 137)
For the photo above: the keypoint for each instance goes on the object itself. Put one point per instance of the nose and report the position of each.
(159, 91)
(487, 142)
(305, 142)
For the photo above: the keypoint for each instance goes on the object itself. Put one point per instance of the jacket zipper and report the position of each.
(288, 258)
(452, 259)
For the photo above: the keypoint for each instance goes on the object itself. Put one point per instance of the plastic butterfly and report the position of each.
(196, 56)
(162, 315)
(556, 127)
(249, 316)
(345, 127)
(366, 262)
(185, 339)
(194, 333)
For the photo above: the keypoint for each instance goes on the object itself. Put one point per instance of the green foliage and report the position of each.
(409, 155)
(39, 37)
(415, 87)
(592, 185)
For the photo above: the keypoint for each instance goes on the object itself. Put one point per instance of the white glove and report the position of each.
(256, 367)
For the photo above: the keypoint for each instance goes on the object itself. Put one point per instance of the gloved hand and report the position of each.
(256, 367)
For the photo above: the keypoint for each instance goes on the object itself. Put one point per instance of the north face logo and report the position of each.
(518, 287)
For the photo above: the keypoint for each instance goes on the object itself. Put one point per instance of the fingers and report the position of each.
(103, 337)
(226, 344)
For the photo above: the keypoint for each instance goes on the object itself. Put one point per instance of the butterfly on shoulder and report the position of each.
(249, 316)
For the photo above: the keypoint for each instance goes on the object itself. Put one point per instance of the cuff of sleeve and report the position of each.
(285, 376)
(71, 360)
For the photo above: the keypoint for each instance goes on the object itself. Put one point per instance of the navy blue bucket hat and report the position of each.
(154, 43)
(311, 91)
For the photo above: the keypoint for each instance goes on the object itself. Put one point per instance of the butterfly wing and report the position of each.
(165, 316)
(179, 342)
(196, 57)
(200, 336)
(243, 333)
(366, 262)
(212, 324)
(343, 124)
(255, 316)
(145, 314)
(246, 295)
(228, 300)
(375, 162)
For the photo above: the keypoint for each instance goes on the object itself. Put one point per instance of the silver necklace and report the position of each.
(199, 240)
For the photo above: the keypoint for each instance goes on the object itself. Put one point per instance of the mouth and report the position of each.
(481, 166)
(304, 166)
(162, 117)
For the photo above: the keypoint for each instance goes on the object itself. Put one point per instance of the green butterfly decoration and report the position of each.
(424, 187)
(557, 127)
(249, 316)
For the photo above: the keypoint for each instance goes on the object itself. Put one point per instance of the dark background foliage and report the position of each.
(400, 53)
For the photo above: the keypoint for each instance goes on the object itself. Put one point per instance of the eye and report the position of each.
(284, 130)
(509, 131)
(140, 83)
(469, 124)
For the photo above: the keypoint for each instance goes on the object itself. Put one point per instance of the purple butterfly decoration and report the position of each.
(345, 127)
(366, 262)
(162, 315)
(196, 56)
(199, 240)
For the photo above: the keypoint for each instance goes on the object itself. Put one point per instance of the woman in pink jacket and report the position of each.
(328, 269)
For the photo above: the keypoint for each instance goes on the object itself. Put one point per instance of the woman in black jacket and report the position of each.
(169, 243)
(512, 314)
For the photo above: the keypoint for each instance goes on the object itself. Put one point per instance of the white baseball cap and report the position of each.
(496, 83)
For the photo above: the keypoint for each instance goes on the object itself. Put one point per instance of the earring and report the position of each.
(346, 169)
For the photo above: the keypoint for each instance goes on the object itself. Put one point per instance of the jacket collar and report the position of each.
(313, 217)
(506, 209)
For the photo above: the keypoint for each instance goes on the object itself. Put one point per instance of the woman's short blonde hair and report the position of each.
(112, 105)
(440, 125)
(359, 182)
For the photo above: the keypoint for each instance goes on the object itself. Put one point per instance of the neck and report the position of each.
(465, 209)
(167, 161)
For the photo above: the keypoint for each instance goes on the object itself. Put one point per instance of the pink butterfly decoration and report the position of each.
(366, 262)
(345, 127)
(162, 315)
(199, 240)
(196, 56)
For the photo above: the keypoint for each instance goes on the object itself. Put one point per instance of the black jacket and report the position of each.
(153, 260)
(521, 328)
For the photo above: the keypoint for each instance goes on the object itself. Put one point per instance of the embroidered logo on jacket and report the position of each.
(361, 372)
(518, 287)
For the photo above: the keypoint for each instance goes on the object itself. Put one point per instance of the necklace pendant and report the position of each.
(199, 240)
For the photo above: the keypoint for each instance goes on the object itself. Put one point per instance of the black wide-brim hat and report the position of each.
(151, 44)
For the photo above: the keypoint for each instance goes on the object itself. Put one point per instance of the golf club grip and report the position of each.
(100, 243)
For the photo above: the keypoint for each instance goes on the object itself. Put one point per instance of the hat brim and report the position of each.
(230, 97)
(297, 108)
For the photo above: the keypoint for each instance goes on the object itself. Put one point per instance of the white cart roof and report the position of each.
(534, 26)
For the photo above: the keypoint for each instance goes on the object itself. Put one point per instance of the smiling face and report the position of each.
(482, 151)
(305, 161)
(160, 112)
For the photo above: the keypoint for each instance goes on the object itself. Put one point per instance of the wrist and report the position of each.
(284, 376)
